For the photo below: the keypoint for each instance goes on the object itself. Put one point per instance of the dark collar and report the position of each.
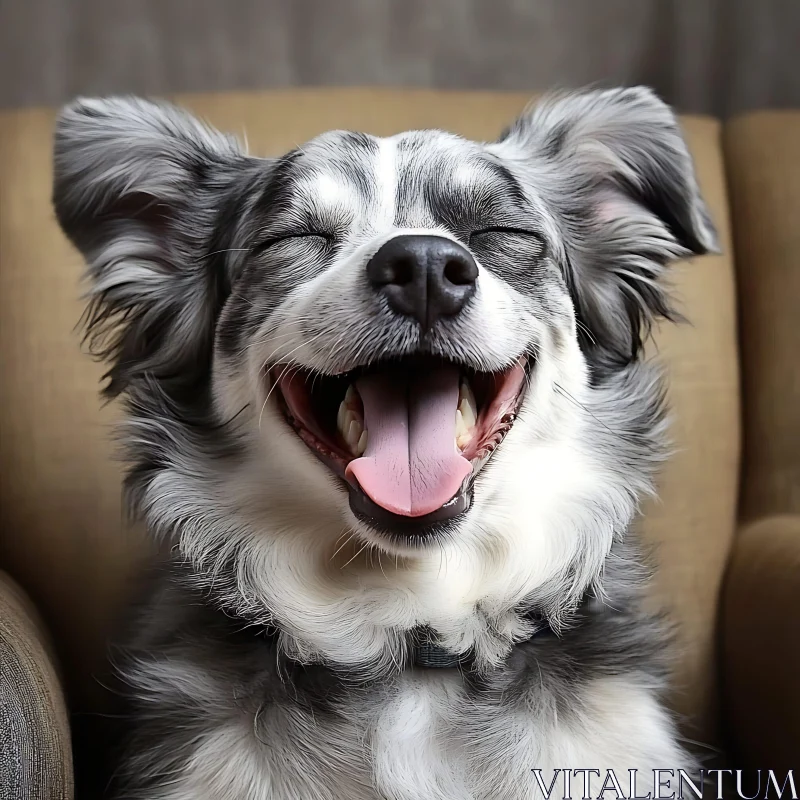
(427, 653)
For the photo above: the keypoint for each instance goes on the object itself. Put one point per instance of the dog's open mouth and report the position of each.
(407, 435)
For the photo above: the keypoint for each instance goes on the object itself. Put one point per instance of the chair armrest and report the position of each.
(761, 643)
(35, 748)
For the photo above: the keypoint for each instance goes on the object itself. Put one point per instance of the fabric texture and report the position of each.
(62, 529)
(35, 752)
(61, 521)
(763, 157)
(761, 644)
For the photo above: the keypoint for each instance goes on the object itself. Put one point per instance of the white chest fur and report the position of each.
(432, 740)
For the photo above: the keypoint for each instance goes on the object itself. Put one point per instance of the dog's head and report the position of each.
(418, 339)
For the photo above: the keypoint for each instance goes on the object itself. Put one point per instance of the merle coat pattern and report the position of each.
(273, 656)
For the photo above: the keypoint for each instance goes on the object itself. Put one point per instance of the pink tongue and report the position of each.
(411, 465)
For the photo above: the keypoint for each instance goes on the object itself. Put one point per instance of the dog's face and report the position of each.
(395, 302)
(420, 340)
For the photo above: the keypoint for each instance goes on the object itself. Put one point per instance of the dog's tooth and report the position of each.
(462, 438)
(468, 413)
(362, 444)
(350, 394)
(348, 418)
(340, 417)
(465, 422)
(467, 404)
(354, 434)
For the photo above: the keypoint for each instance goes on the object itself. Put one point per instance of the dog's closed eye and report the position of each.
(496, 237)
(508, 230)
(290, 235)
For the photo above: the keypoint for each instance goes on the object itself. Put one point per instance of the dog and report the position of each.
(387, 410)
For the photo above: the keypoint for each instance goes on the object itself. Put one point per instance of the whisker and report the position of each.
(292, 370)
(380, 566)
(586, 331)
(357, 554)
(564, 393)
(294, 349)
(343, 544)
(225, 250)
(269, 394)
(246, 299)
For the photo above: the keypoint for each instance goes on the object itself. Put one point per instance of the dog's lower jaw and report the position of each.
(412, 532)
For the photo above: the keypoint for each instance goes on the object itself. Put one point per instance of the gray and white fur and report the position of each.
(271, 658)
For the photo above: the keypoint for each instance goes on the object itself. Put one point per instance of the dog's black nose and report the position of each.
(425, 277)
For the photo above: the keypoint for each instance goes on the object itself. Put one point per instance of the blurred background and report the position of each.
(711, 56)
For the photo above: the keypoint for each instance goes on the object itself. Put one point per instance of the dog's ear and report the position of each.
(615, 168)
(137, 188)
